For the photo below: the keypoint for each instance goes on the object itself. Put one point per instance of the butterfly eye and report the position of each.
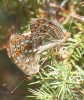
(27, 77)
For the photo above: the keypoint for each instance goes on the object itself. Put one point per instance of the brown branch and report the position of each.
(78, 17)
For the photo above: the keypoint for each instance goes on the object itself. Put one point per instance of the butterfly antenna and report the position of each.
(10, 82)
(18, 86)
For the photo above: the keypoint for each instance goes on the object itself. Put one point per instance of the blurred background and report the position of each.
(15, 16)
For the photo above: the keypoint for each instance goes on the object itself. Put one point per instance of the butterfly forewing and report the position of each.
(38, 23)
(44, 32)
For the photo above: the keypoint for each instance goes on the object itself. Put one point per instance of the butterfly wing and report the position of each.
(44, 32)
(38, 23)
(21, 52)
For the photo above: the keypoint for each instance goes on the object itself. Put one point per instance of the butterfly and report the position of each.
(25, 49)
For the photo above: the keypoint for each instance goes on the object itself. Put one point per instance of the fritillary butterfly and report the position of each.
(25, 49)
